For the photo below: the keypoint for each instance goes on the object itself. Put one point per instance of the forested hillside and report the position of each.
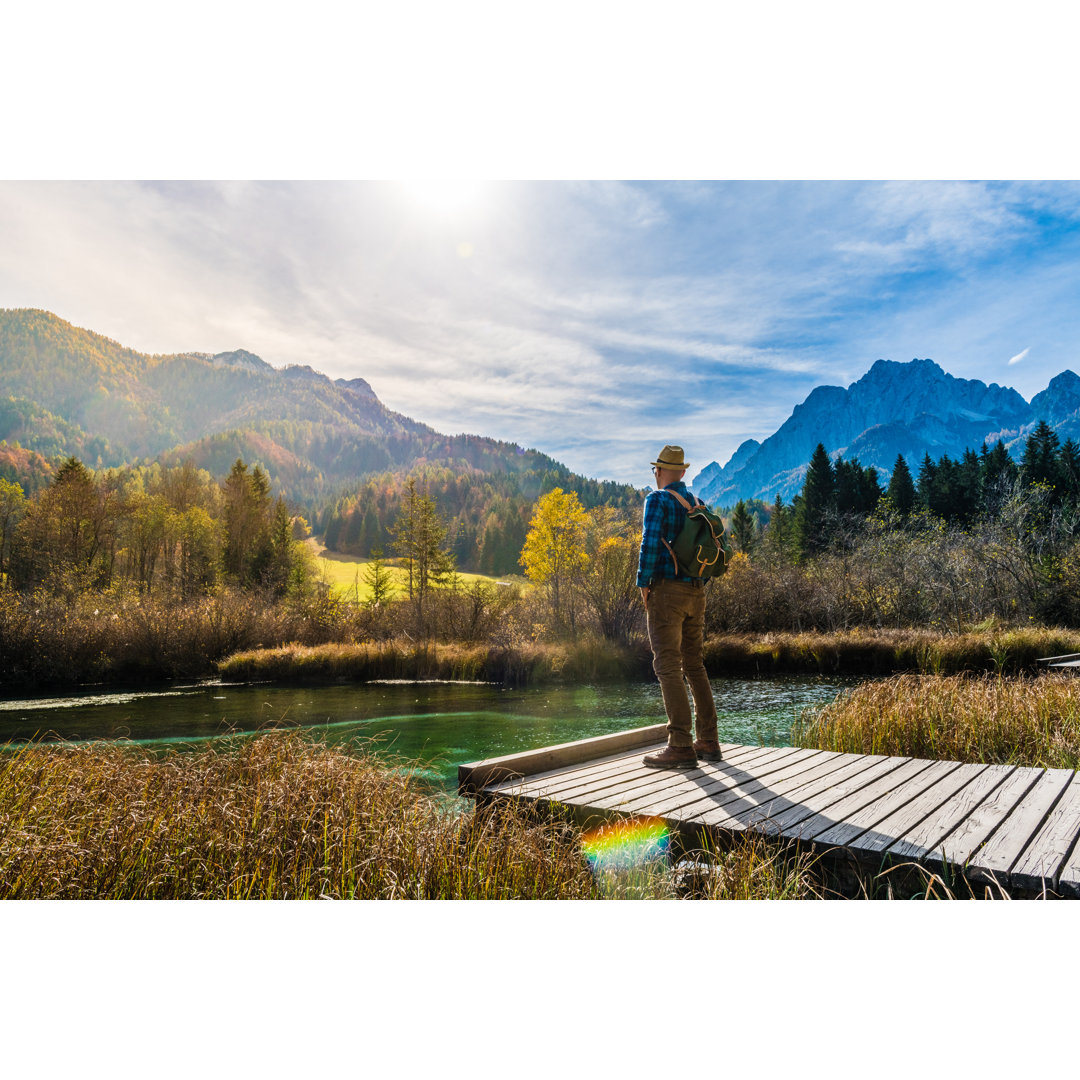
(329, 447)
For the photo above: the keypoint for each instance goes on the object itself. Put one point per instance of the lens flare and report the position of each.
(623, 845)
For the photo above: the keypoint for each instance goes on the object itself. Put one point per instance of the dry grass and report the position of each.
(276, 817)
(580, 661)
(279, 817)
(882, 651)
(1033, 721)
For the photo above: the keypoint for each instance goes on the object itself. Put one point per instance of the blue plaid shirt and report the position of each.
(664, 517)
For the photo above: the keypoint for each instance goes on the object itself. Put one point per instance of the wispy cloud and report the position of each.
(589, 317)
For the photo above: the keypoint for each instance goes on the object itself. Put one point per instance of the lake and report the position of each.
(439, 724)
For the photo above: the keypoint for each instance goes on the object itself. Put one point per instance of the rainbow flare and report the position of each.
(623, 845)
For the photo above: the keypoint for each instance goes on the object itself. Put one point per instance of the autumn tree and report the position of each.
(554, 552)
(12, 507)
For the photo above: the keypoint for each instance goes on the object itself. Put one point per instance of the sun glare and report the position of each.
(445, 197)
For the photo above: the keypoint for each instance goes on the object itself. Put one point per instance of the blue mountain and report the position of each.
(912, 409)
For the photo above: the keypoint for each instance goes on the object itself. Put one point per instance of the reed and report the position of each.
(1032, 721)
(883, 651)
(278, 817)
(584, 661)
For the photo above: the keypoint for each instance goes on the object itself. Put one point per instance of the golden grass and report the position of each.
(882, 651)
(585, 660)
(279, 817)
(1033, 721)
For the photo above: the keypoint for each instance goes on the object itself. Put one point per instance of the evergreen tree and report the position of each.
(817, 503)
(742, 528)
(420, 537)
(901, 493)
(1039, 464)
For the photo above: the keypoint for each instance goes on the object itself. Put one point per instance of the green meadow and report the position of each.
(345, 574)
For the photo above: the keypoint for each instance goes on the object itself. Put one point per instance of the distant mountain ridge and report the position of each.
(65, 390)
(912, 409)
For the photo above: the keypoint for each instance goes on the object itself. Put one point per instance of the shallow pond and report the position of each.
(439, 724)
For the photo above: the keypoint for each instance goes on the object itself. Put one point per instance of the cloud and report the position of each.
(588, 317)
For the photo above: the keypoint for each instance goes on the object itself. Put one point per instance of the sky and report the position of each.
(595, 321)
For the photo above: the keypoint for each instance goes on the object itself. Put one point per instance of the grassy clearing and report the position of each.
(345, 575)
(985, 719)
(279, 817)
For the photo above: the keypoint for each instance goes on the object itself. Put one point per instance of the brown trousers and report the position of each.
(676, 619)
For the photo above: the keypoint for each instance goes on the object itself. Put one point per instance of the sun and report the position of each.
(445, 198)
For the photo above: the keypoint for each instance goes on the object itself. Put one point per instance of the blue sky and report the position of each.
(595, 321)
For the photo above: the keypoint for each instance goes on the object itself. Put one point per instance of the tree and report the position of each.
(12, 508)
(609, 581)
(901, 492)
(742, 527)
(379, 581)
(247, 505)
(420, 538)
(816, 503)
(554, 552)
(1040, 461)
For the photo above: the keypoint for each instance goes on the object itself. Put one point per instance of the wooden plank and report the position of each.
(560, 779)
(1042, 860)
(960, 845)
(1068, 883)
(557, 779)
(650, 782)
(773, 799)
(679, 801)
(869, 815)
(994, 860)
(641, 775)
(843, 809)
(816, 795)
(952, 816)
(908, 818)
(478, 774)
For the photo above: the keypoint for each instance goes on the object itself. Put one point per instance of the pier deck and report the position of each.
(993, 824)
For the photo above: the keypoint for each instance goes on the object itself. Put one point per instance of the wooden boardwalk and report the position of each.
(993, 824)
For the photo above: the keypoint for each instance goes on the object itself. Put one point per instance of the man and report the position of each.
(675, 608)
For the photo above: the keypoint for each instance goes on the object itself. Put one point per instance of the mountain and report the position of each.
(67, 391)
(912, 409)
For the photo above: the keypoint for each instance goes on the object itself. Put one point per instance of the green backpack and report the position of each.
(700, 550)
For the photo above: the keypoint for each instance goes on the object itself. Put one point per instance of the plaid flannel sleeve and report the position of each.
(653, 528)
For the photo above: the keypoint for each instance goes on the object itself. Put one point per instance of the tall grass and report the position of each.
(278, 817)
(986, 719)
(586, 660)
(883, 651)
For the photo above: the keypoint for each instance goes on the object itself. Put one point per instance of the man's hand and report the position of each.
(645, 590)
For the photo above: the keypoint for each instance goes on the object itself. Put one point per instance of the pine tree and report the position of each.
(817, 503)
(742, 527)
(901, 493)
(1039, 464)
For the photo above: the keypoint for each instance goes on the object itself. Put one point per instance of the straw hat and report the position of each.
(671, 458)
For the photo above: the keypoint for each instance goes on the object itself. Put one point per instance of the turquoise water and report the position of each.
(439, 724)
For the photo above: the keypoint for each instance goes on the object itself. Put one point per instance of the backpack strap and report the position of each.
(685, 505)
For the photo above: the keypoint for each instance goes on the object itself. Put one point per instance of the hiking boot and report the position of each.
(672, 757)
(708, 750)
